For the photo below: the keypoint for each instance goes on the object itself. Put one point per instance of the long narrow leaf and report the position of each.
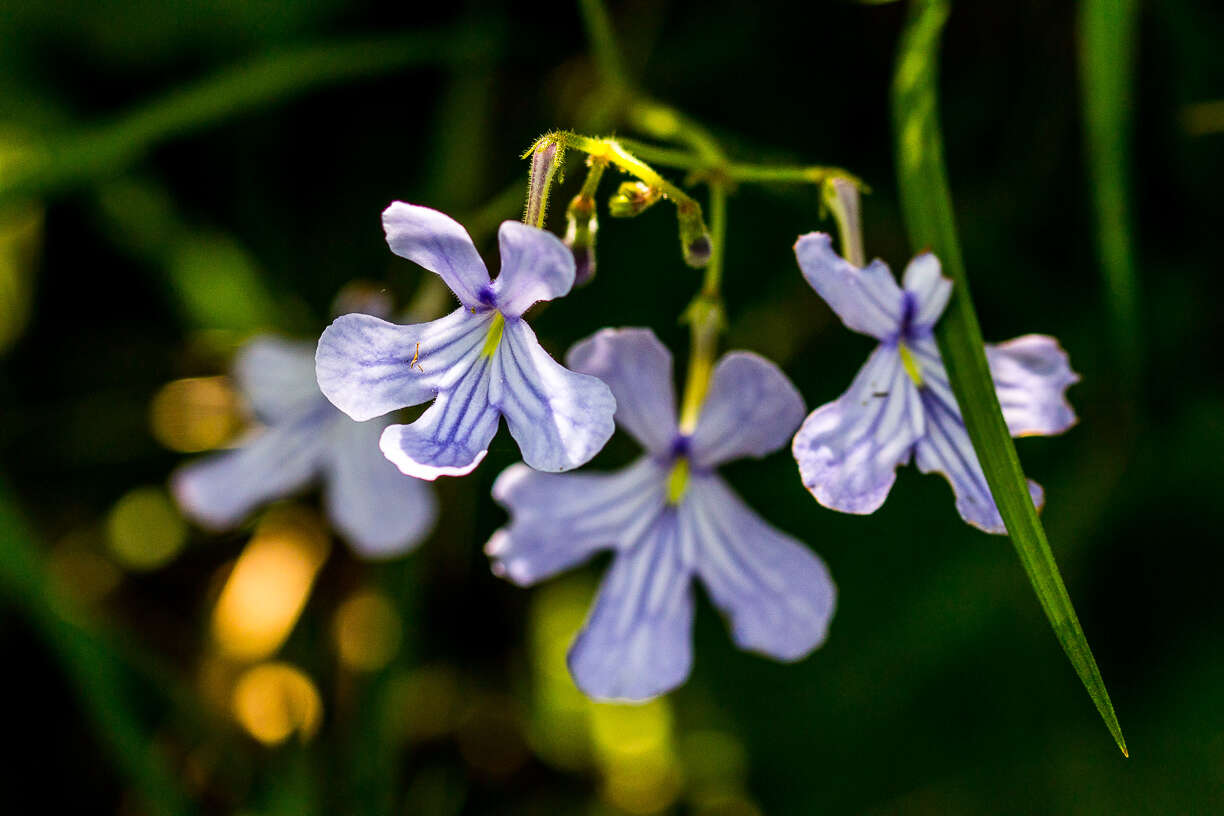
(927, 206)
(1107, 40)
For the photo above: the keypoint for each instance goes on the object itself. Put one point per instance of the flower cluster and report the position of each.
(669, 519)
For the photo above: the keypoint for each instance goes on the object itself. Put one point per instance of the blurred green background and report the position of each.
(149, 224)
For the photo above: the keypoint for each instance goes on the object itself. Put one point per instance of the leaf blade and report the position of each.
(927, 208)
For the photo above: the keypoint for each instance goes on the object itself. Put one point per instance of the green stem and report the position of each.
(927, 208)
(693, 232)
(603, 45)
(736, 171)
(705, 316)
(74, 158)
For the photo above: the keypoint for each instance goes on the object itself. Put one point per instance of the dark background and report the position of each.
(941, 688)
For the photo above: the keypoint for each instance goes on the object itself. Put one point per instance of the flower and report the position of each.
(901, 405)
(382, 513)
(668, 518)
(479, 362)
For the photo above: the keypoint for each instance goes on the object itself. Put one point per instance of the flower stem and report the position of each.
(705, 316)
(694, 237)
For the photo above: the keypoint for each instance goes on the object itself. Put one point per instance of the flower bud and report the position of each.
(581, 227)
(632, 198)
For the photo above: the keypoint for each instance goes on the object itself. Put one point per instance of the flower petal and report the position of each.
(867, 300)
(559, 418)
(535, 266)
(776, 592)
(637, 642)
(925, 281)
(219, 491)
(453, 434)
(277, 376)
(751, 410)
(947, 450)
(1031, 376)
(560, 520)
(382, 512)
(638, 369)
(368, 367)
(848, 450)
(440, 244)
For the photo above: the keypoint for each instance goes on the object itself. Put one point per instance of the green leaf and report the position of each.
(927, 207)
(1107, 41)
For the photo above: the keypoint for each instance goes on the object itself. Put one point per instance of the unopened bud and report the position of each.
(632, 198)
(580, 229)
(545, 160)
(697, 251)
(841, 196)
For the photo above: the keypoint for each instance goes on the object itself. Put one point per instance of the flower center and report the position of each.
(910, 363)
(493, 338)
(677, 481)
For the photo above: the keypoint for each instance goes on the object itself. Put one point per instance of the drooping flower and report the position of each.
(669, 518)
(478, 363)
(901, 405)
(380, 511)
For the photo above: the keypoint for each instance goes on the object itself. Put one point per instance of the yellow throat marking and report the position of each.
(493, 339)
(911, 364)
(677, 481)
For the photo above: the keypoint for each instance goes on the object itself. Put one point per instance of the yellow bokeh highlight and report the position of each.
(274, 701)
(268, 586)
(559, 731)
(367, 631)
(195, 414)
(144, 531)
(632, 746)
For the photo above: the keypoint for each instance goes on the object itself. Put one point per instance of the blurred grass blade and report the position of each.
(927, 207)
(1107, 44)
(91, 663)
(108, 148)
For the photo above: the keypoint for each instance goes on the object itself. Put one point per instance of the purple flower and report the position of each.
(376, 508)
(479, 362)
(900, 405)
(669, 519)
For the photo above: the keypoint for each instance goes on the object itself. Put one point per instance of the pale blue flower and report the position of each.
(380, 511)
(478, 363)
(900, 405)
(669, 519)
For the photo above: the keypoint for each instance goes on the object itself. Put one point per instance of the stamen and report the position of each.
(911, 364)
(677, 481)
(495, 335)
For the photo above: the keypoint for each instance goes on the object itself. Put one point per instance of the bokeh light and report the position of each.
(367, 631)
(426, 702)
(195, 414)
(77, 563)
(268, 586)
(273, 701)
(144, 530)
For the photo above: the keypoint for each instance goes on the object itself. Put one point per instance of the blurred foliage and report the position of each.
(939, 691)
